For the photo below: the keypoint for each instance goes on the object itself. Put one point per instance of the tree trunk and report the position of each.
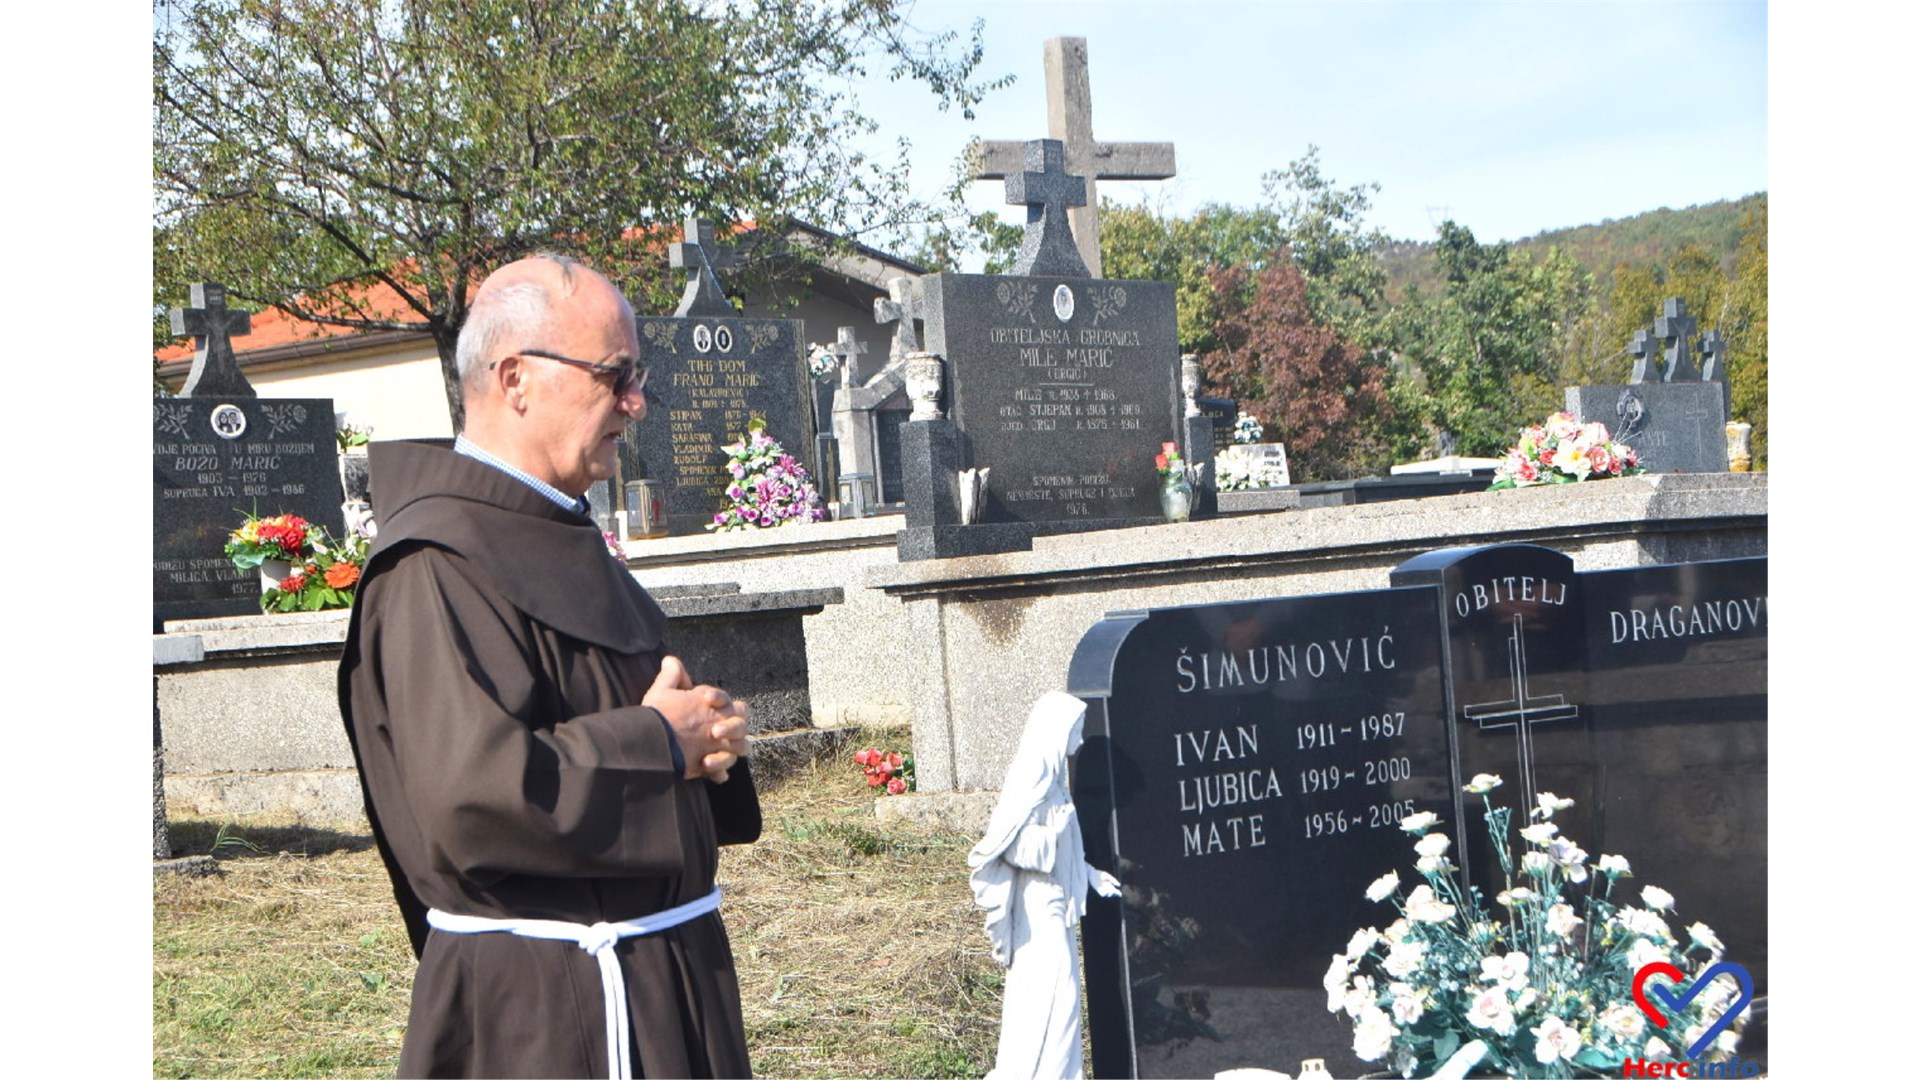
(444, 341)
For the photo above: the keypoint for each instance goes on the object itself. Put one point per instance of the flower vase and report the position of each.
(1176, 496)
(272, 572)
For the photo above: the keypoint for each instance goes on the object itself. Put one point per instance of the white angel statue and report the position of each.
(1030, 872)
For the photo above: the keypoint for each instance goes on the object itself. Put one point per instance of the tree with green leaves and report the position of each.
(306, 152)
(1486, 347)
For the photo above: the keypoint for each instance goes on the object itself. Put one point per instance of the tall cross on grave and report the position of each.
(1675, 328)
(215, 372)
(702, 256)
(1523, 709)
(1070, 120)
(845, 349)
(1047, 191)
(903, 304)
(1644, 352)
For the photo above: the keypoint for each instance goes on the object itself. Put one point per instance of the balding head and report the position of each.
(533, 327)
(511, 310)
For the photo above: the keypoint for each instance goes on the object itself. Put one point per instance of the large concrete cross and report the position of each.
(1070, 120)
(702, 256)
(215, 373)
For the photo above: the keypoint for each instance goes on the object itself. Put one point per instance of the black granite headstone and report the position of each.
(1225, 413)
(1674, 413)
(1242, 778)
(1064, 387)
(217, 459)
(1677, 696)
(712, 371)
(1245, 772)
(1641, 694)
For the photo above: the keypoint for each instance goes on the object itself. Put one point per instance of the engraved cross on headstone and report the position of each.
(903, 304)
(1675, 329)
(702, 257)
(1070, 119)
(1522, 708)
(215, 372)
(844, 350)
(1047, 191)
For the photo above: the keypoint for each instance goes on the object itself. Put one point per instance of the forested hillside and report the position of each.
(1359, 351)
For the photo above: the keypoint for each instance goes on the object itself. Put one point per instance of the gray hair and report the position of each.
(506, 317)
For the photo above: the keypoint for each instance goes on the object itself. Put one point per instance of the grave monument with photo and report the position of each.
(221, 452)
(711, 370)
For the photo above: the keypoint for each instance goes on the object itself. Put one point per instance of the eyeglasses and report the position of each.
(630, 376)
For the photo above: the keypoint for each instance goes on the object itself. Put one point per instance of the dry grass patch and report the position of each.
(858, 947)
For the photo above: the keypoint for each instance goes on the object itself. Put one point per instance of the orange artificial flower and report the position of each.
(341, 575)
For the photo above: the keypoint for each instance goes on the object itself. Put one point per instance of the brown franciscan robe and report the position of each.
(490, 682)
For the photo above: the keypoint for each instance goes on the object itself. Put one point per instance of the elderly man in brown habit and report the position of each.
(547, 785)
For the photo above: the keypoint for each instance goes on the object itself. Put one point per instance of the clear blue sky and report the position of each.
(1509, 117)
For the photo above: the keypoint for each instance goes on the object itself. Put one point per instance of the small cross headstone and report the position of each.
(1675, 329)
(1070, 120)
(215, 371)
(1713, 350)
(1046, 190)
(1644, 351)
(901, 306)
(702, 257)
(846, 349)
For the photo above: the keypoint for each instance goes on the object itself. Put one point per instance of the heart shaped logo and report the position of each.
(1674, 1005)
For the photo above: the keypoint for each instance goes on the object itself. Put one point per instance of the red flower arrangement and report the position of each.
(894, 771)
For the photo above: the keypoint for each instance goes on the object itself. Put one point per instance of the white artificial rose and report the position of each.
(1548, 802)
(1433, 844)
(1492, 1011)
(1540, 832)
(1643, 952)
(1536, 863)
(1404, 958)
(1614, 864)
(1373, 1034)
(1561, 921)
(1335, 982)
(1383, 886)
(1420, 822)
(1643, 922)
(1482, 783)
(1423, 906)
(1554, 1041)
(1361, 941)
(1704, 935)
(1408, 1007)
(1656, 898)
(1625, 1022)
(1509, 971)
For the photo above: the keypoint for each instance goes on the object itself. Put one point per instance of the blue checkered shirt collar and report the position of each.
(560, 498)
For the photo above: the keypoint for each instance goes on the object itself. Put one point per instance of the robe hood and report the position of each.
(551, 563)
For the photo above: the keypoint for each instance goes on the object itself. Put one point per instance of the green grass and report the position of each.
(858, 947)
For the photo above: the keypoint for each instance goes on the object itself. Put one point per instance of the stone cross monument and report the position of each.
(1047, 191)
(215, 371)
(1070, 120)
(702, 257)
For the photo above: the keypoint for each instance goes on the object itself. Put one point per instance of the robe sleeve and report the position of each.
(1033, 847)
(493, 785)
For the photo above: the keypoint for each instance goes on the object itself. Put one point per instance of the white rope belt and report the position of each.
(598, 941)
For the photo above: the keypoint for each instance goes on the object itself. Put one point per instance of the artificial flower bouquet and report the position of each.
(1168, 461)
(892, 770)
(324, 579)
(283, 536)
(1564, 451)
(1544, 980)
(768, 487)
